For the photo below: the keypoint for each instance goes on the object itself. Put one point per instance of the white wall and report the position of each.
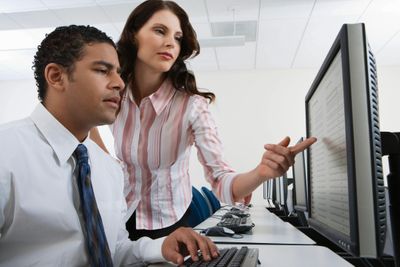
(252, 108)
(18, 99)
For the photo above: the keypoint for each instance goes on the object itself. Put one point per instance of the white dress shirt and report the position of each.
(39, 205)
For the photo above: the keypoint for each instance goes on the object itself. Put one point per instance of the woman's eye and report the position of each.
(160, 31)
(178, 39)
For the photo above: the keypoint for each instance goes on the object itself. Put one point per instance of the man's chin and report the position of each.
(107, 120)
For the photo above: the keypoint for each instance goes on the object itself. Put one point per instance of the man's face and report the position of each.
(93, 88)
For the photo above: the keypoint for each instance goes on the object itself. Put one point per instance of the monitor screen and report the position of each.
(300, 182)
(345, 180)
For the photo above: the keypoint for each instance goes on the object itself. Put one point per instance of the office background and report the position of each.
(258, 56)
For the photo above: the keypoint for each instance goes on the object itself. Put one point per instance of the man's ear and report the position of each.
(55, 76)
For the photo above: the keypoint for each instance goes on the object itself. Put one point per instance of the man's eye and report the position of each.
(102, 71)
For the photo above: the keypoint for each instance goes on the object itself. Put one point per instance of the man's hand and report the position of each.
(185, 241)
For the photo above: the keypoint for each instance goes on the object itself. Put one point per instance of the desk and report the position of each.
(292, 256)
(268, 229)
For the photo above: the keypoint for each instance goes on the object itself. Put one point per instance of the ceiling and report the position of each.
(279, 34)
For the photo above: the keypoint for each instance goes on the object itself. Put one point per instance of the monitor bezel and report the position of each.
(349, 243)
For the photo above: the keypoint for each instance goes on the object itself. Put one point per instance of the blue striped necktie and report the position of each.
(96, 241)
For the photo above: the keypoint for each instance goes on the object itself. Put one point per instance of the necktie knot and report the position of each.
(81, 154)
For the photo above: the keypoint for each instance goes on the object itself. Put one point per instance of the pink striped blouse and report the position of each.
(154, 141)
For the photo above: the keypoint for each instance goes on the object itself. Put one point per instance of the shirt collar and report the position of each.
(62, 141)
(160, 98)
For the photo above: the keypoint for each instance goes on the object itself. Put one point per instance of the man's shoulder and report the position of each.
(16, 136)
(13, 128)
(16, 124)
(102, 156)
(104, 166)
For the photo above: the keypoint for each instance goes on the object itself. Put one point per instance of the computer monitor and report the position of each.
(283, 189)
(300, 182)
(268, 193)
(346, 190)
(277, 200)
(265, 190)
(280, 188)
(271, 194)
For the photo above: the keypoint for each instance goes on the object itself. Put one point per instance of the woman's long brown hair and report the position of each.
(182, 79)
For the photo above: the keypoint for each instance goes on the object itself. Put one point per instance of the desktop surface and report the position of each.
(290, 256)
(268, 229)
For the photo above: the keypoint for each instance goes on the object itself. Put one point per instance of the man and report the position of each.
(45, 181)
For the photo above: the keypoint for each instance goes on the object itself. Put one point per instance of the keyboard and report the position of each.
(232, 257)
(238, 225)
(238, 213)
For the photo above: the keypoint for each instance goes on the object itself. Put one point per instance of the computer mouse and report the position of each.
(218, 231)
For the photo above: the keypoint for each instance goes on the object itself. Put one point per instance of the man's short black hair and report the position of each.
(64, 46)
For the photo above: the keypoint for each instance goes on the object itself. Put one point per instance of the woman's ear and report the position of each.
(55, 75)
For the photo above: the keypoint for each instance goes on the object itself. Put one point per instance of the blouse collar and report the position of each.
(160, 98)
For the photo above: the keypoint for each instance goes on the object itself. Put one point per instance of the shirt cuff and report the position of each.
(227, 196)
(151, 249)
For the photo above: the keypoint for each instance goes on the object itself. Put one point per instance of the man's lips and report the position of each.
(113, 101)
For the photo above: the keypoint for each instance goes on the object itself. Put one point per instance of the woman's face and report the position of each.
(158, 42)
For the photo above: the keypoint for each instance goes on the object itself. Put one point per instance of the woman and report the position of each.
(162, 115)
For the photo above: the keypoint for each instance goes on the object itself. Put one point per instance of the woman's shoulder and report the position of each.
(191, 99)
(196, 99)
